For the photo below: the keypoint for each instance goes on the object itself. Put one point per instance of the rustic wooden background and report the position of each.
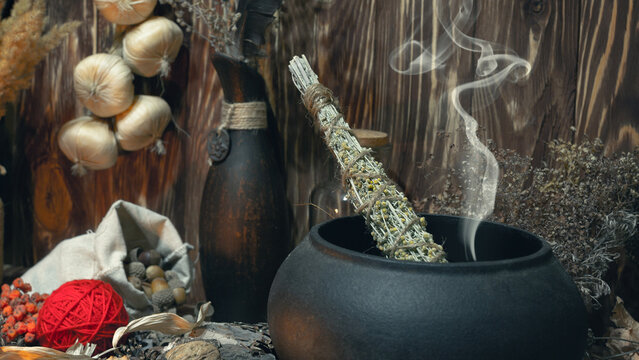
(582, 85)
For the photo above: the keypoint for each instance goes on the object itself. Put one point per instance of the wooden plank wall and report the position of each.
(582, 78)
(63, 205)
(607, 74)
(351, 49)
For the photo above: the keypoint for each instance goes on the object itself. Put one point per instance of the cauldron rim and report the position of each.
(543, 254)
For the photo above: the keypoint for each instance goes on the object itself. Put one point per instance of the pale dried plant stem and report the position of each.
(394, 225)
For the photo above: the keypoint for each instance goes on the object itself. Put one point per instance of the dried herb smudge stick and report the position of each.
(398, 231)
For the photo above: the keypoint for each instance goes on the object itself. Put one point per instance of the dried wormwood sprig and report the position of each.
(216, 15)
(584, 203)
(398, 231)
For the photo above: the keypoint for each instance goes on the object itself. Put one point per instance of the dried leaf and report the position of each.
(166, 323)
(81, 349)
(625, 337)
(36, 352)
(24, 44)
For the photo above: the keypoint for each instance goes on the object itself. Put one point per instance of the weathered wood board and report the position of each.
(350, 51)
(608, 76)
(583, 83)
(64, 205)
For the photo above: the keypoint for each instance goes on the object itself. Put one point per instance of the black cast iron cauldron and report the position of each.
(334, 298)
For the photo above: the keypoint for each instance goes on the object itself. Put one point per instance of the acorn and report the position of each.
(162, 299)
(176, 283)
(136, 269)
(179, 295)
(150, 257)
(159, 284)
(146, 287)
(133, 254)
(135, 281)
(153, 272)
(170, 275)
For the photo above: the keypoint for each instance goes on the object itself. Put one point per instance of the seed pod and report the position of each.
(179, 294)
(136, 282)
(136, 269)
(150, 257)
(159, 284)
(153, 272)
(162, 299)
(133, 254)
(176, 283)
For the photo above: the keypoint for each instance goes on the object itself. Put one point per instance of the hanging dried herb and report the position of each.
(237, 31)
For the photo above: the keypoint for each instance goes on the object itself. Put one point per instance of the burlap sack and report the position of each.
(100, 254)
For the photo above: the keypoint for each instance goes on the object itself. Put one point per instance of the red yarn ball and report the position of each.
(87, 310)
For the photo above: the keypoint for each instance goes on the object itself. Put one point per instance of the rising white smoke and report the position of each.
(491, 72)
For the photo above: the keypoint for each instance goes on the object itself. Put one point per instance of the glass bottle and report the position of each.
(329, 199)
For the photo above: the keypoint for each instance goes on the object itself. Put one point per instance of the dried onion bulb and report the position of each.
(104, 84)
(143, 123)
(125, 12)
(88, 143)
(150, 48)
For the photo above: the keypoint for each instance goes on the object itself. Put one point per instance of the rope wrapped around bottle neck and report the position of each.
(243, 116)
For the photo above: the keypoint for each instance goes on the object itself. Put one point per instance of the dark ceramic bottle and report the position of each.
(244, 230)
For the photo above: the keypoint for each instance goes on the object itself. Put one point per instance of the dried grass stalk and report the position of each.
(24, 44)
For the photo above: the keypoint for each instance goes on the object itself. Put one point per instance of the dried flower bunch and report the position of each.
(398, 231)
(216, 15)
(234, 28)
(24, 44)
(584, 203)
